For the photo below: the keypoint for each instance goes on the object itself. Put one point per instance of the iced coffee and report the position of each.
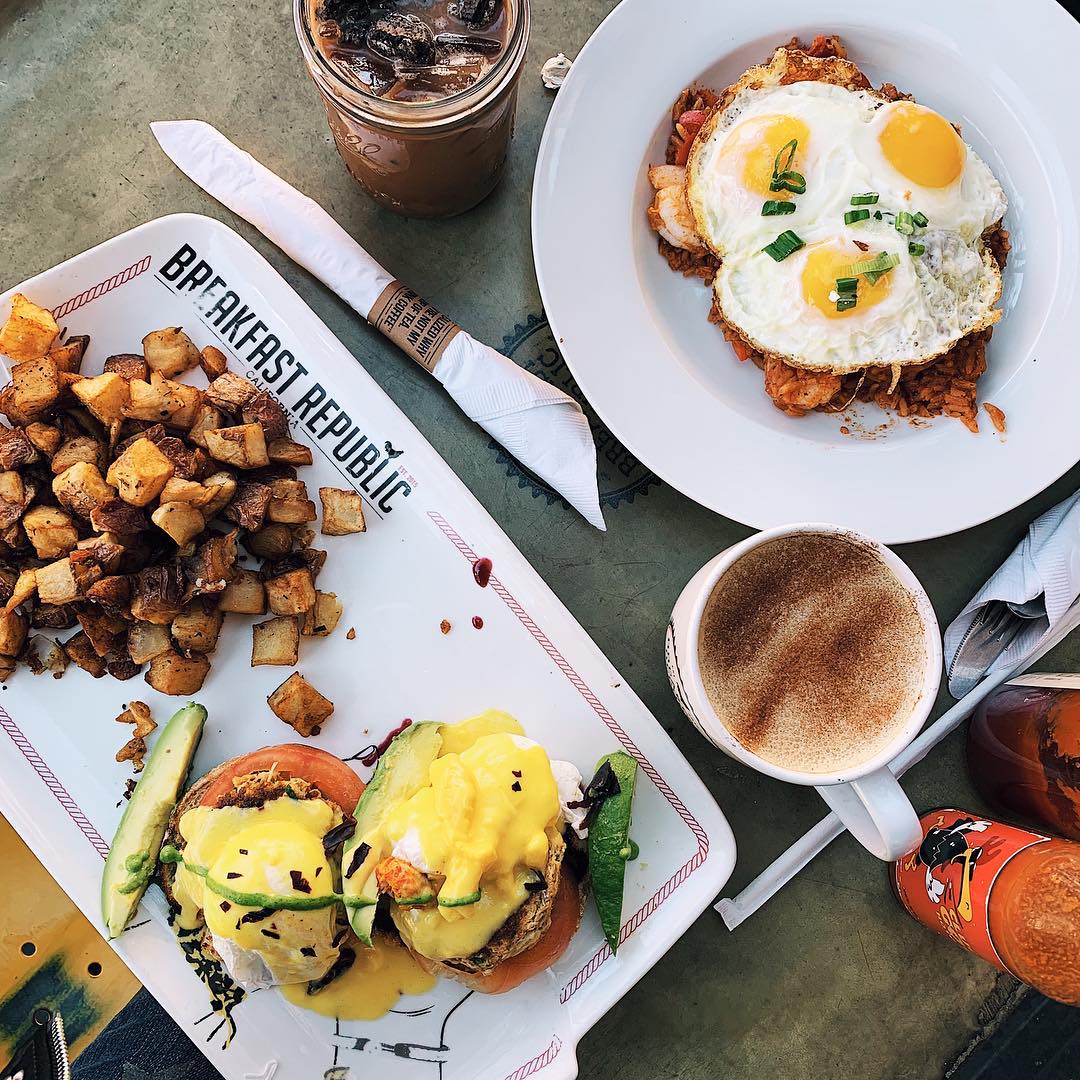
(420, 95)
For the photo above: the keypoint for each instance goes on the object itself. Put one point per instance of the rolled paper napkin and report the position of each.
(542, 427)
(1045, 565)
(735, 910)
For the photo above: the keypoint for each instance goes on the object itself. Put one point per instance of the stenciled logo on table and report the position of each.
(620, 475)
(368, 461)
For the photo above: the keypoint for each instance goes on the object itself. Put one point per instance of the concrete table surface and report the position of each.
(831, 979)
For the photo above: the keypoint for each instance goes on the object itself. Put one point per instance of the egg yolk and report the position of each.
(755, 144)
(922, 145)
(823, 266)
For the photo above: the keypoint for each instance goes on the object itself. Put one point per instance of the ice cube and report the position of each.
(402, 37)
(476, 13)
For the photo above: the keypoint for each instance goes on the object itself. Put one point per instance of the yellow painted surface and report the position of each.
(51, 955)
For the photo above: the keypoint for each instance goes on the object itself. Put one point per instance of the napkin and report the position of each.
(1046, 563)
(735, 910)
(543, 428)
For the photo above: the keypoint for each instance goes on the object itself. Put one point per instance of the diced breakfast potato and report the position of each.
(170, 351)
(189, 491)
(152, 401)
(36, 385)
(51, 530)
(25, 587)
(112, 593)
(292, 593)
(213, 361)
(156, 594)
(128, 365)
(321, 619)
(44, 437)
(220, 488)
(269, 542)
(80, 652)
(106, 633)
(190, 399)
(265, 410)
(180, 520)
(197, 627)
(81, 488)
(116, 516)
(78, 448)
(300, 705)
(140, 473)
(28, 332)
(289, 503)
(106, 396)
(147, 640)
(206, 417)
(276, 641)
(242, 446)
(287, 452)
(69, 356)
(229, 392)
(343, 512)
(13, 497)
(56, 583)
(244, 595)
(176, 675)
(14, 626)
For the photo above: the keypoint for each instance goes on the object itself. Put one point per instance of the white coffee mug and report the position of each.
(866, 797)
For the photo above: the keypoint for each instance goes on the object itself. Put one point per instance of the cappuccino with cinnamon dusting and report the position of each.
(812, 652)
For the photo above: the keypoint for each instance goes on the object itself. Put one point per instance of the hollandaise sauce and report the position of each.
(370, 987)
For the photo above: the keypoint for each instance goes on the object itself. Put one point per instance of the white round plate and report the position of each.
(635, 334)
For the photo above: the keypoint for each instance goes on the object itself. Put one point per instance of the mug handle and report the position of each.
(877, 813)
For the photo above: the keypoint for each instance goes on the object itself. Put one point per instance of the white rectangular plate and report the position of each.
(61, 788)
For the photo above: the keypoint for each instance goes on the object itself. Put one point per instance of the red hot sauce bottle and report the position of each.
(1007, 894)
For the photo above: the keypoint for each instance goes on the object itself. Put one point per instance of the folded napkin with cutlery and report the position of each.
(1024, 600)
(543, 428)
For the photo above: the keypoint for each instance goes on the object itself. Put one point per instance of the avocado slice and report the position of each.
(610, 846)
(402, 771)
(134, 851)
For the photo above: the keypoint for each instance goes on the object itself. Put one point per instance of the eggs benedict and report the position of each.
(462, 833)
(251, 859)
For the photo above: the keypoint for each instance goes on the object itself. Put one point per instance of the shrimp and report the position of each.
(797, 391)
(670, 213)
(403, 881)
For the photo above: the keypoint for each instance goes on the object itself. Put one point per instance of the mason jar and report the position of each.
(422, 158)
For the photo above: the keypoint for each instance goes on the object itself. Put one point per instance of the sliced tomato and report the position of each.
(565, 919)
(332, 776)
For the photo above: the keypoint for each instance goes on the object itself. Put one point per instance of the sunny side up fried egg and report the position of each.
(840, 142)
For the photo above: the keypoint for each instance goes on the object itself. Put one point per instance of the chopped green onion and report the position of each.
(877, 215)
(920, 219)
(772, 207)
(868, 199)
(880, 262)
(787, 243)
(905, 223)
(794, 182)
(851, 216)
(846, 303)
(789, 148)
(846, 285)
(874, 276)
(916, 249)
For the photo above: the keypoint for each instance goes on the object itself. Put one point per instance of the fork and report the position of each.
(990, 634)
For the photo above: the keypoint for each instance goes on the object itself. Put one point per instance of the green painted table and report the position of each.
(831, 978)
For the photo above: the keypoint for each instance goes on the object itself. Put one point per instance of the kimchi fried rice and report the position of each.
(945, 385)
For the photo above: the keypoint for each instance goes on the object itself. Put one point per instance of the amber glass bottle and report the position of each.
(1024, 750)
(1007, 894)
